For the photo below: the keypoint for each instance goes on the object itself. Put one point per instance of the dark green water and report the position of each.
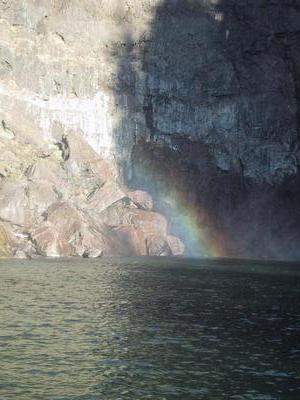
(149, 329)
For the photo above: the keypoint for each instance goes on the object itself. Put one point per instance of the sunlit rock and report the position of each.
(49, 242)
(176, 245)
(22, 245)
(103, 196)
(21, 254)
(5, 250)
(142, 199)
(14, 204)
(147, 221)
(93, 240)
(47, 170)
(60, 206)
(5, 131)
(83, 158)
(84, 236)
(144, 231)
(41, 194)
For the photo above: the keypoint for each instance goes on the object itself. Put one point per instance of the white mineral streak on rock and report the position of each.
(90, 115)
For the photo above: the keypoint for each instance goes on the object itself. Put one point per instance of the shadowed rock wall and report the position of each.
(221, 113)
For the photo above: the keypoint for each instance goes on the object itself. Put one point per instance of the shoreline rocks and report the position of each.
(57, 207)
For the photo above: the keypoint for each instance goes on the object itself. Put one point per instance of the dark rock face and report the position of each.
(225, 73)
(221, 101)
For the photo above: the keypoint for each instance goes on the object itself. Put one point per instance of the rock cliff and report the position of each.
(193, 101)
(62, 199)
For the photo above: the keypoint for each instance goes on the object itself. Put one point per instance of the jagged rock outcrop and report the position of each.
(141, 199)
(193, 101)
(57, 206)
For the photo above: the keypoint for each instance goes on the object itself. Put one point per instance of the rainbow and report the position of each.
(191, 223)
(198, 238)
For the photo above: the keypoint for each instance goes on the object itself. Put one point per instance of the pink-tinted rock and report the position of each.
(23, 128)
(53, 236)
(144, 231)
(14, 204)
(82, 233)
(147, 221)
(49, 242)
(158, 246)
(104, 196)
(92, 241)
(141, 199)
(65, 200)
(46, 170)
(65, 218)
(176, 245)
(40, 197)
(133, 239)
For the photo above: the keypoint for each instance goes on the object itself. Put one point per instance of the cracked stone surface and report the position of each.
(197, 100)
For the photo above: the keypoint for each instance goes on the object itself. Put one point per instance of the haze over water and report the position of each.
(149, 329)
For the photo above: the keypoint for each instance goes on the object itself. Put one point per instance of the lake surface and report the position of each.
(149, 329)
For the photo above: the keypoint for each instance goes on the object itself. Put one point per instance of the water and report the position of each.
(149, 329)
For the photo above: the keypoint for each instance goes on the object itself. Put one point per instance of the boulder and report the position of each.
(144, 232)
(23, 203)
(176, 245)
(49, 242)
(158, 246)
(103, 197)
(21, 245)
(92, 254)
(92, 241)
(82, 233)
(67, 202)
(141, 199)
(64, 217)
(133, 239)
(148, 222)
(21, 254)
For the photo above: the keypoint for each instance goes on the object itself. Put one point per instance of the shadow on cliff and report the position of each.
(187, 130)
